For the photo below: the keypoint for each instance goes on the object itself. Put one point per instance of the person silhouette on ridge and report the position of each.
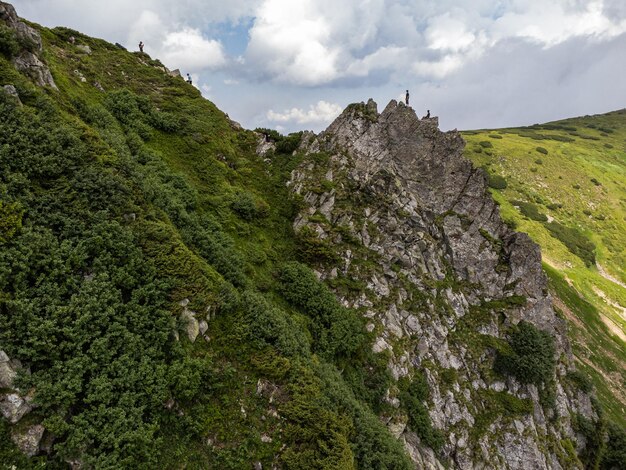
(189, 79)
(406, 98)
(140, 46)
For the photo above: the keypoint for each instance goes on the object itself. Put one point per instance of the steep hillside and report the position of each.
(564, 183)
(178, 292)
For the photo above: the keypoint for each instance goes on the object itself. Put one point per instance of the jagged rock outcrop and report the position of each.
(411, 219)
(28, 61)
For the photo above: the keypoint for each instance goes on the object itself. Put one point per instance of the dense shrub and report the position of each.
(9, 45)
(485, 144)
(270, 134)
(244, 205)
(542, 150)
(329, 428)
(314, 249)
(575, 241)
(337, 331)
(614, 456)
(284, 144)
(137, 113)
(593, 432)
(289, 143)
(595, 182)
(497, 181)
(265, 324)
(580, 381)
(412, 395)
(529, 210)
(531, 359)
(10, 220)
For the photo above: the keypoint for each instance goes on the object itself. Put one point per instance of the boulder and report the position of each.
(7, 372)
(11, 91)
(13, 407)
(30, 65)
(28, 439)
(192, 326)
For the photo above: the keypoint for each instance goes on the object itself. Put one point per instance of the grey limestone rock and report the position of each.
(191, 324)
(29, 64)
(405, 191)
(28, 439)
(14, 407)
(24, 32)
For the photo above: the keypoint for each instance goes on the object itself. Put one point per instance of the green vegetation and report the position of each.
(530, 210)
(9, 46)
(116, 206)
(583, 254)
(412, 394)
(497, 182)
(575, 242)
(593, 432)
(614, 455)
(531, 359)
(498, 404)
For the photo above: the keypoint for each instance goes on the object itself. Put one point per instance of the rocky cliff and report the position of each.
(418, 246)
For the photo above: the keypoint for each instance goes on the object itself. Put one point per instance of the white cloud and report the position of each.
(446, 33)
(189, 49)
(291, 41)
(348, 50)
(322, 112)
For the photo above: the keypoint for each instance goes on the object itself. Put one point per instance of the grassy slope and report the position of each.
(579, 181)
(209, 163)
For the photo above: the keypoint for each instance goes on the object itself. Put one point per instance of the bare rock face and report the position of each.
(14, 406)
(410, 218)
(28, 61)
(30, 65)
(28, 439)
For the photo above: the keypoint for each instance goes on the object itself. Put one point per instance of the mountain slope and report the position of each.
(564, 183)
(160, 295)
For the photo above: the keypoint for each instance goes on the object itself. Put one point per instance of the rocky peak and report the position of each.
(412, 220)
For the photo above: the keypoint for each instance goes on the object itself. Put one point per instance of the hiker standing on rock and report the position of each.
(140, 46)
(406, 98)
(189, 79)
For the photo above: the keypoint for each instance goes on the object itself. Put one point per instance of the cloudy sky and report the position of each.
(294, 64)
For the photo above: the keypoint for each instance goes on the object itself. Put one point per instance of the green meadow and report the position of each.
(564, 183)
